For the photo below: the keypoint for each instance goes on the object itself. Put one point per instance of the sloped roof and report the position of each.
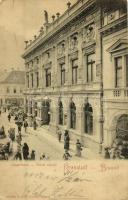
(3, 75)
(14, 77)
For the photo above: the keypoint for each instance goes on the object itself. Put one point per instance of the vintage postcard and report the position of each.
(63, 100)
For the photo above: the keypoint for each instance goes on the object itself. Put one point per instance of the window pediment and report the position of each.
(48, 65)
(120, 45)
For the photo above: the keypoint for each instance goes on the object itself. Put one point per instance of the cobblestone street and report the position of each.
(42, 141)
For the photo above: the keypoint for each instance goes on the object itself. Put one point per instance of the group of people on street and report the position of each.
(67, 155)
(119, 150)
(14, 148)
(23, 150)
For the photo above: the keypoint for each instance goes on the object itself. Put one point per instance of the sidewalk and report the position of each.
(41, 133)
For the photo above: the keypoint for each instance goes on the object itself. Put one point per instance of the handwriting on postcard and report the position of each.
(58, 182)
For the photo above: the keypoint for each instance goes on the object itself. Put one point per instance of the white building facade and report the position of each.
(66, 73)
(12, 84)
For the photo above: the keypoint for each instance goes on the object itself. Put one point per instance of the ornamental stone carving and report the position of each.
(111, 17)
(61, 48)
(74, 41)
(89, 33)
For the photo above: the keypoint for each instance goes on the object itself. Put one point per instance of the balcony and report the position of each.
(77, 88)
(116, 93)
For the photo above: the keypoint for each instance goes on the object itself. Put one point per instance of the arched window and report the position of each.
(45, 112)
(60, 113)
(122, 127)
(73, 115)
(88, 112)
(35, 109)
(31, 107)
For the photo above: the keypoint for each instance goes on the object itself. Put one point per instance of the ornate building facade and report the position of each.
(70, 71)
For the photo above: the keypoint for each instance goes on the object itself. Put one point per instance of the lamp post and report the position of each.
(101, 121)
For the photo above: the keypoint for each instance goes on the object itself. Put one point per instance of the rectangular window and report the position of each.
(90, 67)
(8, 90)
(118, 68)
(14, 90)
(32, 80)
(74, 71)
(32, 63)
(62, 74)
(27, 80)
(126, 70)
(37, 60)
(37, 79)
(48, 77)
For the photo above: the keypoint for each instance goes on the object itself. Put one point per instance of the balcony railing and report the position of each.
(116, 93)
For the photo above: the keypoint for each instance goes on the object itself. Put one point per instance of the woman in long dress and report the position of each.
(66, 140)
(78, 148)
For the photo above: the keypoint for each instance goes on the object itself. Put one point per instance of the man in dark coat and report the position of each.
(25, 150)
(66, 140)
(25, 126)
(9, 117)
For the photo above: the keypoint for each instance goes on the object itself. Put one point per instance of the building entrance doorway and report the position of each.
(122, 128)
(45, 113)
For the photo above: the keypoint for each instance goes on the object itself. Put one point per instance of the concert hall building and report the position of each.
(77, 72)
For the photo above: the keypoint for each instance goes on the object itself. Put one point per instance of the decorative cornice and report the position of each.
(61, 26)
(114, 26)
(118, 46)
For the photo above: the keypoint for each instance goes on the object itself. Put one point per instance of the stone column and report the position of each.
(80, 55)
(68, 117)
(79, 120)
(68, 70)
(29, 113)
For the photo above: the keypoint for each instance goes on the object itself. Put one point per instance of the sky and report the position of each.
(20, 20)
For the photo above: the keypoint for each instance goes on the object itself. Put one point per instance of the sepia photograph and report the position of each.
(63, 98)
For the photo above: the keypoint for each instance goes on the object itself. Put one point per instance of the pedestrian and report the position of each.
(66, 140)
(112, 152)
(18, 153)
(34, 124)
(2, 129)
(78, 148)
(0, 112)
(118, 154)
(59, 134)
(19, 138)
(25, 126)
(9, 117)
(19, 127)
(16, 118)
(32, 155)
(25, 151)
(124, 151)
(66, 155)
(106, 154)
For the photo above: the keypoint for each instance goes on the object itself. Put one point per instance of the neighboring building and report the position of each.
(12, 84)
(70, 70)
